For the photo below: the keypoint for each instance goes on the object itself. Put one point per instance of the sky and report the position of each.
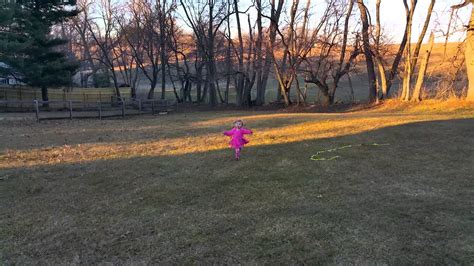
(393, 17)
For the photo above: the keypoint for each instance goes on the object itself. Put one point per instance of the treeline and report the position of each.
(207, 49)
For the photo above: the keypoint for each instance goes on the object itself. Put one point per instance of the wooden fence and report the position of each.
(21, 93)
(55, 109)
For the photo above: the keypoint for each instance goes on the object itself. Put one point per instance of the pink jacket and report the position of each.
(238, 141)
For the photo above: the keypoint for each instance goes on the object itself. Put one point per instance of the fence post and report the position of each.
(99, 106)
(152, 107)
(123, 107)
(37, 110)
(70, 109)
(100, 96)
(84, 100)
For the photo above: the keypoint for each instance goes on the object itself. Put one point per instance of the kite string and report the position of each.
(317, 157)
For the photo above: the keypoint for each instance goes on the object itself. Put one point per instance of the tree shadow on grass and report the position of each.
(177, 144)
(23, 135)
(138, 129)
(406, 203)
(51, 134)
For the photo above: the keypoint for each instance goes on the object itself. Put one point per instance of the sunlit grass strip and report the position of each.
(203, 143)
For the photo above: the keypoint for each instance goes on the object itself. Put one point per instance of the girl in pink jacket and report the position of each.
(237, 133)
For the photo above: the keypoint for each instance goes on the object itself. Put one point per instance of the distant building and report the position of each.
(8, 79)
(14, 1)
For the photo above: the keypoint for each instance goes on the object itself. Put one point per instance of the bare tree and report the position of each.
(422, 72)
(162, 8)
(89, 66)
(144, 38)
(260, 99)
(228, 55)
(126, 64)
(205, 19)
(334, 58)
(469, 50)
(409, 10)
(386, 78)
(379, 58)
(297, 41)
(180, 45)
(274, 17)
(285, 74)
(422, 35)
(103, 31)
(412, 56)
(240, 56)
(367, 51)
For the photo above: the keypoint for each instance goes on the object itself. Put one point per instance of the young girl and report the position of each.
(237, 133)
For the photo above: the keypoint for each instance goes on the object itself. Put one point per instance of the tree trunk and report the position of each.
(276, 11)
(368, 54)
(422, 34)
(382, 79)
(151, 92)
(133, 88)
(470, 58)
(405, 95)
(401, 49)
(44, 95)
(260, 100)
(377, 27)
(163, 59)
(281, 85)
(328, 95)
(204, 96)
(198, 83)
(211, 63)
(422, 72)
(239, 85)
(228, 59)
(116, 85)
(211, 77)
(328, 99)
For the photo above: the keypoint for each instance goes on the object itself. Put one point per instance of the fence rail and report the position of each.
(84, 95)
(55, 109)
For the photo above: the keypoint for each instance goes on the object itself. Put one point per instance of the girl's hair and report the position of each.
(236, 121)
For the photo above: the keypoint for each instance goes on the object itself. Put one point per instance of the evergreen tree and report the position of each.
(27, 46)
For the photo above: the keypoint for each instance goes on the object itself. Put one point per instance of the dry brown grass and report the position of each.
(165, 190)
(308, 127)
(430, 106)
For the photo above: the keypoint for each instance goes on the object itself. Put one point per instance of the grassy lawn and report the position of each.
(165, 189)
(104, 94)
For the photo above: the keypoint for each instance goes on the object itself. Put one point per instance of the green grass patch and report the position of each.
(406, 203)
